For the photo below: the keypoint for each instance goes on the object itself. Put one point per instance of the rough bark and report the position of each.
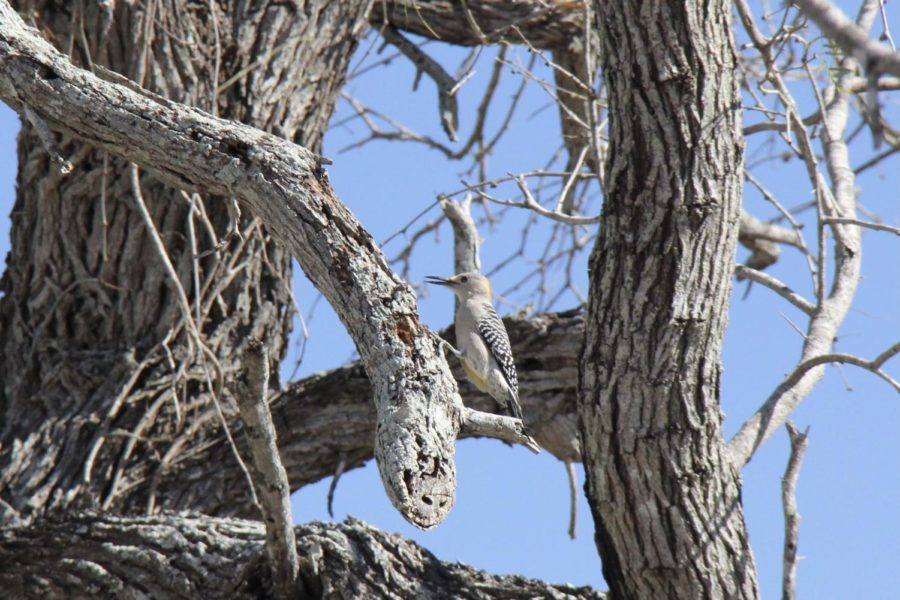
(664, 494)
(273, 492)
(545, 25)
(286, 188)
(204, 557)
(131, 444)
(103, 398)
(328, 419)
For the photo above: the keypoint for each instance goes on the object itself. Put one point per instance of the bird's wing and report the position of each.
(494, 334)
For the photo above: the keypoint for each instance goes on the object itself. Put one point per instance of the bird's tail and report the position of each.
(512, 406)
(515, 410)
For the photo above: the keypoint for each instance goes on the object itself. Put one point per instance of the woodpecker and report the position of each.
(483, 344)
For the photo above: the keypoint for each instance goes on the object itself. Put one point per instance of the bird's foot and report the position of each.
(445, 345)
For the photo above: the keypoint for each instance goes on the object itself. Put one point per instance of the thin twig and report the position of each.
(43, 131)
(446, 85)
(573, 496)
(508, 429)
(867, 224)
(270, 478)
(530, 203)
(791, 516)
(191, 325)
(332, 487)
(745, 272)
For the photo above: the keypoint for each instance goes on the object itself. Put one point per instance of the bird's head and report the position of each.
(465, 285)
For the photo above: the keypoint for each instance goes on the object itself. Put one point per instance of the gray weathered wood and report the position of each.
(105, 396)
(285, 186)
(269, 477)
(197, 556)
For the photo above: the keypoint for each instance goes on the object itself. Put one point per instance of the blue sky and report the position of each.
(512, 507)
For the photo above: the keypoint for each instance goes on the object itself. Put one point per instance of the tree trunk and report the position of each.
(664, 495)
(103, 398)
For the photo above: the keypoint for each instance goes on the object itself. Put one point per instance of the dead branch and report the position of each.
(284, 185)
(791, 516)
(269, 476)
(466, 256)
(746, 272)
(573, 497)
(508, 429)
(446, 85)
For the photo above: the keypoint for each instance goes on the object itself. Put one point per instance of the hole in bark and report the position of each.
(408, 480)
(427, 500)
(47, 74)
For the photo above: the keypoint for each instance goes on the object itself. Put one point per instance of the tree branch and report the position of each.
(745, 272)
(762, 240)
(478, 423)
(446, 85)
(545, 25)
(838, 201)
(874, 57)
(284, 185)
(197, 556)
(466, 256)
(791, 516)
(329, 418)
(269, 476)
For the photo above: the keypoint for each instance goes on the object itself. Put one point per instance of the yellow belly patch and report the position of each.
(474, 377)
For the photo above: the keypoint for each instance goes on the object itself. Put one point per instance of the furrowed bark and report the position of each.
(285, 186)
(664, 494)
(545, 25)
(104, 399)
(198, 556)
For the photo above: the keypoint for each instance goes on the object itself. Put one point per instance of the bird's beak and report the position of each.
(439, 280)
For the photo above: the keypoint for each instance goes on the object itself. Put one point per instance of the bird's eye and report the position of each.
(464, 279)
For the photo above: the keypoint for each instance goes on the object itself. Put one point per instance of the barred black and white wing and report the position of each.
(494, 334)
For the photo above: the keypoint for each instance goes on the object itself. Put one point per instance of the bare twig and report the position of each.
(466, 256)
(874, 57)
(270, 478)
(866, 224)
(530, 203)
(791, 516)
(192, 327)
(446, 85)
(886, 31)
(745, 272)
(40, 127)
(332, 487)
(573, 496)
(508, 429)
